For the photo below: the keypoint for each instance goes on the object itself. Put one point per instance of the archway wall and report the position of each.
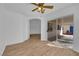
(35, 26)
(43, 27)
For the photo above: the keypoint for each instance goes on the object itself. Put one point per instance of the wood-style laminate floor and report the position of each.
(35, 47)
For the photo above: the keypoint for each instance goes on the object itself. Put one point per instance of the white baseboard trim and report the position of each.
(44, 40)
(2, 50)
(75, 50)
(11, 43)
(16, 42)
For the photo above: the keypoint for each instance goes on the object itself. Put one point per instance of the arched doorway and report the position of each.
(35, 28)
(43, 22)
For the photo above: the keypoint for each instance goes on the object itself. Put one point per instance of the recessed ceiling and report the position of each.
(26, 8)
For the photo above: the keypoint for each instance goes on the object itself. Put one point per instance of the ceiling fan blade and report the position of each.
(35, 4)
(41, 4)
(50, 7)
(34, 9)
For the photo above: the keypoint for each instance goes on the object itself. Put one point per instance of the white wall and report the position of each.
(13, 28)
(44, 24)
(76, 29)
(35, 26)
(2, 36)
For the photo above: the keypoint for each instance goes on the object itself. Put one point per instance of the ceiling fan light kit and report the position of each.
(41, 7)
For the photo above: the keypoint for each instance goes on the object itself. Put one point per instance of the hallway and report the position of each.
(35, 47)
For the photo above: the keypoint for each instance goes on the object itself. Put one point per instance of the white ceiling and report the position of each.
(26, 8)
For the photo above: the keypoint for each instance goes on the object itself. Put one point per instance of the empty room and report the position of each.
(39, 29)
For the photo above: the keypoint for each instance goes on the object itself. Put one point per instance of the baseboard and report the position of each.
(77, 51)
(2, 51)
(44, 40)
(16, 42)
(35, 34)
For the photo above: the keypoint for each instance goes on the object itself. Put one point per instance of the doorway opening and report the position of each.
(61, 31)
(35, 29)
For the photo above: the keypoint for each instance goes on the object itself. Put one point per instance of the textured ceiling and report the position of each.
(26, 8)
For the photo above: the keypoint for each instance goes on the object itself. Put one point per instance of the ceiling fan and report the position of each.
(41, 7)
